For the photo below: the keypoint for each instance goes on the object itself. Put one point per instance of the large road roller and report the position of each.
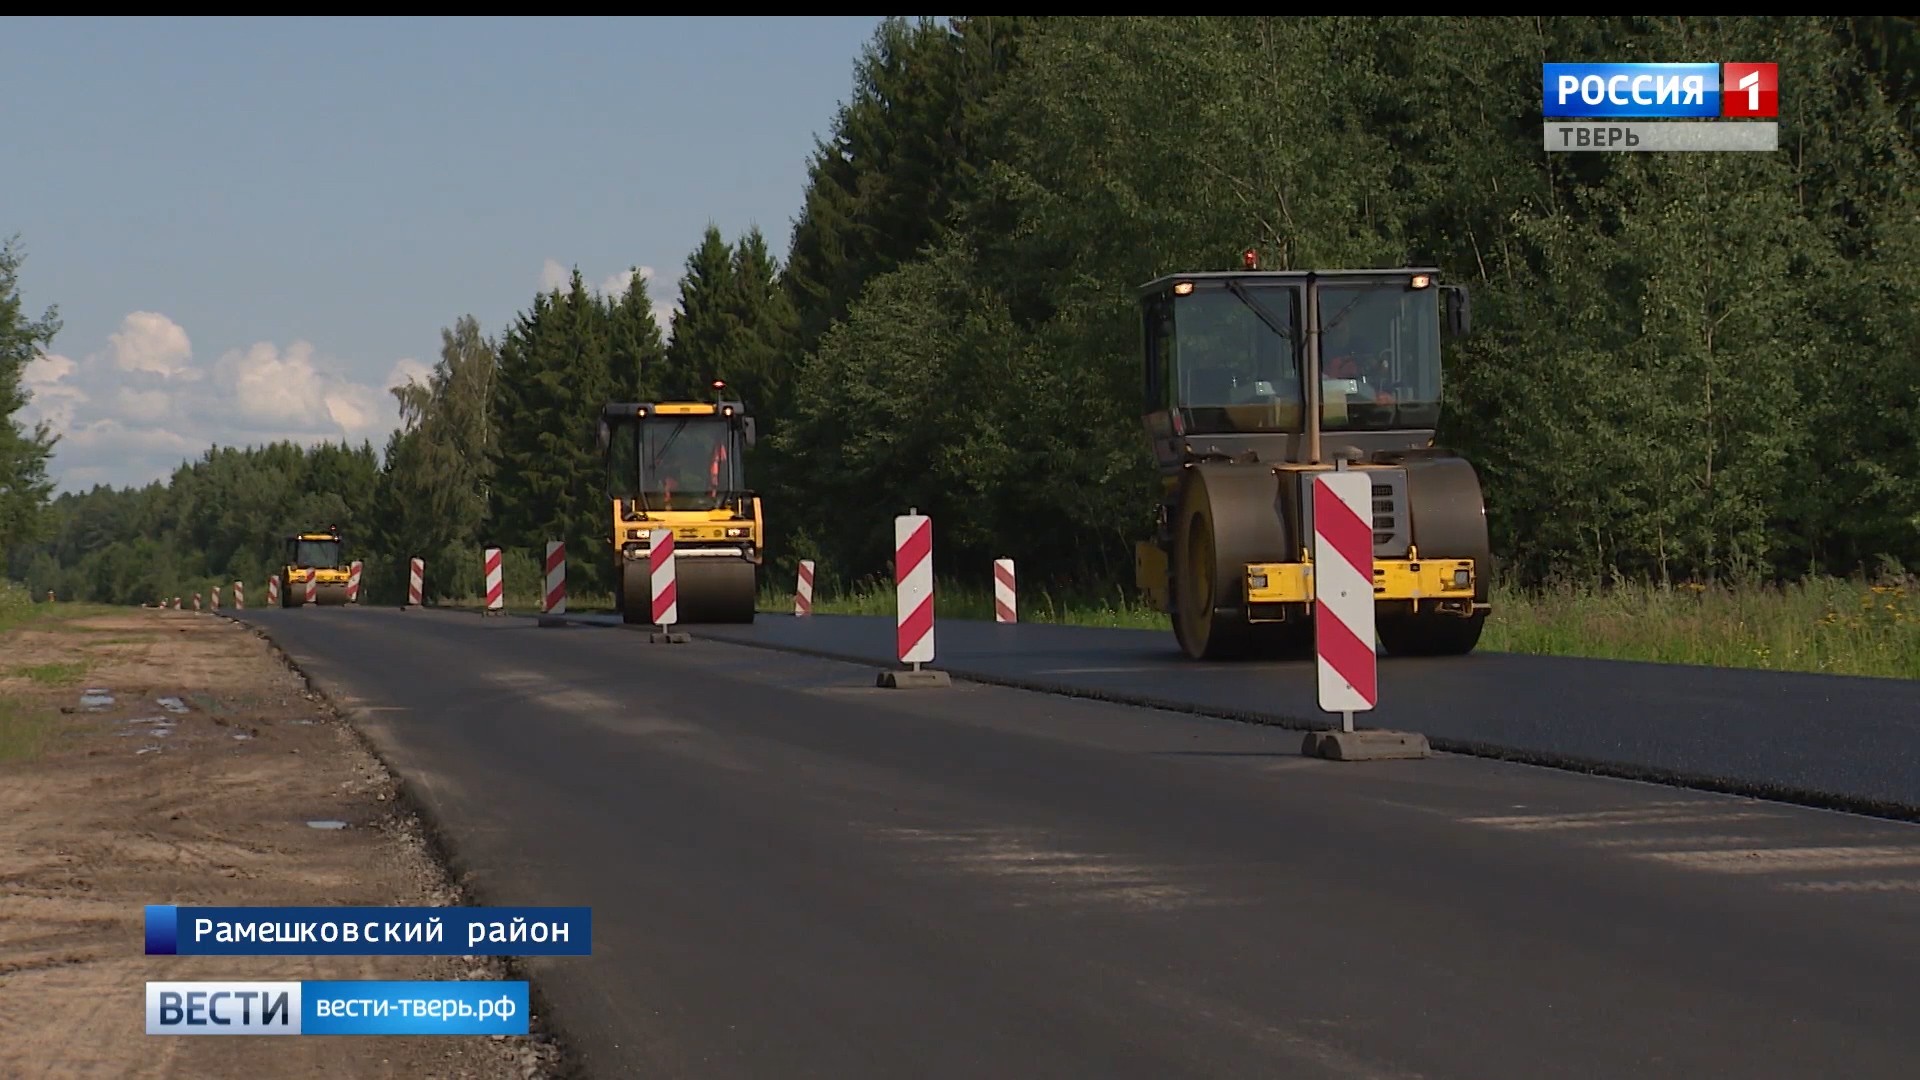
(1256, 381)
(680, 465)
(321, 554)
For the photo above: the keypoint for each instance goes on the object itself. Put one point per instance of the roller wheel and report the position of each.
(331, 594)
(1227, 518)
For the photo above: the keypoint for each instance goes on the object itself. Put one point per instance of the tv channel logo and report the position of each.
(1664, 91)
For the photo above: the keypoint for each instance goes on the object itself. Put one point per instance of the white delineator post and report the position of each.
(273, 590)
(239, 597)
(1343, 627)
(416, 580)
(555, 601)
(913, 587)
(913, 603)
(664, 586)
(353, 583)
(664, 589)
(1004, 607)
(313, 586)
(496, 589)
(803, 590)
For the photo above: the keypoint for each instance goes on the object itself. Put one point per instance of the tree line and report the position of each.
(1684, 366)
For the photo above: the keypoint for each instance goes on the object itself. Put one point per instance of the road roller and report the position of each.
(680, 465)
(1256, 381)
(321, 553)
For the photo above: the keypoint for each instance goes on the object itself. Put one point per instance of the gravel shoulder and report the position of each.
(173, 757)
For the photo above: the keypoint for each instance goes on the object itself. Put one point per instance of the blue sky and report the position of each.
(252, 227)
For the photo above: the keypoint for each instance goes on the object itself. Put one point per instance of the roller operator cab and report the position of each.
(1257, 380)
(318, 553)
(680, 465)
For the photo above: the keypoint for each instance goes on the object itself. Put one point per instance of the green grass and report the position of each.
(54, 674)
(17, 609)
(1821, 625)
(1831, 626)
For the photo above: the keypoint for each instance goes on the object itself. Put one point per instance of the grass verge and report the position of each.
(1820, 625)
(1826, 626)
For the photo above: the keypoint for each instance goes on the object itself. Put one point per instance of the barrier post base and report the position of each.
(917, 678)
(553, 620)
(1366, 745)
(668, 637)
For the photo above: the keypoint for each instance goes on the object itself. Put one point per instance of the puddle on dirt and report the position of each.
(148, 750)
(241, 735)
(96, 697)
(172, 704)
(326, 824)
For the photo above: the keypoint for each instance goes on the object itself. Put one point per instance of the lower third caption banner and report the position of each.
(352, 1007)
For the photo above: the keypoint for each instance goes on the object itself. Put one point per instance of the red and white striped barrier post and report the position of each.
(553, 602)
(803, 592)
(313, 586)
(496, 589)
(196, 601)
(913, 601)
(239, 597)
(664, 587)
(216, 597)
(416, 581)
(273, 590)
(353, 583)
(176, 603)
(1343, 619)
(1005, 609)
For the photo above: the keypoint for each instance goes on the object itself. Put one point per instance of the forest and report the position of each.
(1684, 367)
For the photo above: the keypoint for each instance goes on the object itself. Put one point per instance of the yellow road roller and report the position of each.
(320, 552)
(1257, 380)
(680, 465)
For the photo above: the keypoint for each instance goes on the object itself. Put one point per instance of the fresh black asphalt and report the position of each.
(794, 873)
(1823, 739)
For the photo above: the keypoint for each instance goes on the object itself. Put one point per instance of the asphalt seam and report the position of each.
(543, 1026)
(1706, 782)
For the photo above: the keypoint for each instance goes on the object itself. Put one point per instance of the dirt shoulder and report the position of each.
(194, 784)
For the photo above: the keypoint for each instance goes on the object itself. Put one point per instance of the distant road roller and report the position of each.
(1257, 380)
(320, 552)
(681, 465)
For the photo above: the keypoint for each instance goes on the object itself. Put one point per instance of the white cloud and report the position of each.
(130, 412)
(149, 341)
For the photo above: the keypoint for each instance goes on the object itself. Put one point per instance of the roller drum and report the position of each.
(706, 590)
(715, 590)
(330, 594)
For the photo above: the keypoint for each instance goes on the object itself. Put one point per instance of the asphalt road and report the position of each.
(1823, 739)
(794, 873)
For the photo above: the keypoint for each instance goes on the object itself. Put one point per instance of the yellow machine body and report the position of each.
(1255, 383)
(321, 554)
(679, 465)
